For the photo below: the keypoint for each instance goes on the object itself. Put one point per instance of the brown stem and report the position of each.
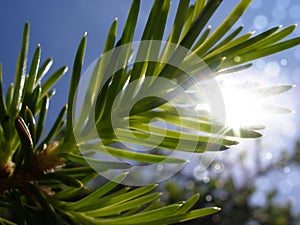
(43, 162)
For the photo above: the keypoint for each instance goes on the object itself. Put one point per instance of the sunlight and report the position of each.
(241, 106)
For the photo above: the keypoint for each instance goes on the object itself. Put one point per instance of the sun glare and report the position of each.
(241, 107)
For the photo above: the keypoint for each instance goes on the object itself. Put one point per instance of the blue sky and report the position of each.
(58, 26)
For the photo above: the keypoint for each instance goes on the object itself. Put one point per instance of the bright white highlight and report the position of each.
(242, 108)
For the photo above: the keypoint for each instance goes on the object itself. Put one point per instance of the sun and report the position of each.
(242, 107)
